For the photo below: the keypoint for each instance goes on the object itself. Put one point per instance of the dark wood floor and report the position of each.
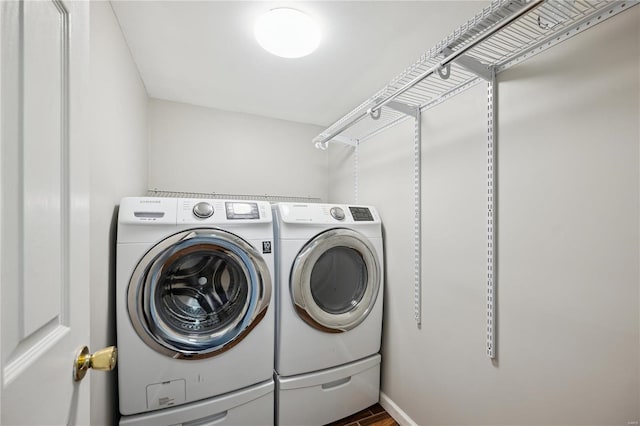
(372, 416)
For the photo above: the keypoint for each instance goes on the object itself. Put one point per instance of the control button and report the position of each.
(337, 213)
(203, 210)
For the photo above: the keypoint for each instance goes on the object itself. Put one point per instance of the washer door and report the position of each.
(335, 280)
(198, 293)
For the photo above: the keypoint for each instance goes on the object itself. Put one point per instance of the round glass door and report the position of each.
(335, 280)
(198, 293)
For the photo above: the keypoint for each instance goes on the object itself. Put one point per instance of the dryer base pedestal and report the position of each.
(325, 396)
(245, 407)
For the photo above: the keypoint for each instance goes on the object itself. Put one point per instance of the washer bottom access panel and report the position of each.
(246, 407)
(324, 396)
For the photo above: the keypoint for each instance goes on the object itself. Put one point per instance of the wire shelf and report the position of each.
(220, 196)
(490, 40)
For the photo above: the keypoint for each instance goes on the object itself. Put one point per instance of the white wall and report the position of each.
(569, 256)
(118, 168)
(199, 149)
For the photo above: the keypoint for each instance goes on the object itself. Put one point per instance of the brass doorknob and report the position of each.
(103, 360)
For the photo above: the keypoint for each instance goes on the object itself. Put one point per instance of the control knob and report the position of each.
(203, 210)
(337, 213)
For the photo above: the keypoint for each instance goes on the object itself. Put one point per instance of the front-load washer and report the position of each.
(195, 314)
(329, 298)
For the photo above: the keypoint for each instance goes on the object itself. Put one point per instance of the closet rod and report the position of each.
(452, 57)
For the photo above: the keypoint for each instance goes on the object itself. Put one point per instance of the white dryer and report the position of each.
(329, 297)
(195, 318)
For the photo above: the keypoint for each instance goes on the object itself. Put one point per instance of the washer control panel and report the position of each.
(213, 211)
(182, 211)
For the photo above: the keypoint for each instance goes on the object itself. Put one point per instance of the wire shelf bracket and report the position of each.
(406, 109)
(471, 64)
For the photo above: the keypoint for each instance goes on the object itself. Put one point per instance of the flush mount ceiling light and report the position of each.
(286, 32)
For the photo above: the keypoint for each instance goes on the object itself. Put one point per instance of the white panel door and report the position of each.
(44, 211)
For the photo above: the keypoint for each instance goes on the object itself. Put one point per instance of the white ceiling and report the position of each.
(204, 53)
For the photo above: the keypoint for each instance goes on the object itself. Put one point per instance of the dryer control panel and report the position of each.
(326, 213)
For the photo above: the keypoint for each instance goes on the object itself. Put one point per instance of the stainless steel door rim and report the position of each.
(198, 293)
(349, 313)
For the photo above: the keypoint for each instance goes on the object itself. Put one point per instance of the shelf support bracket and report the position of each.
(492, 220)
(346, 140)
(417, 217)
(414, 111)
(410, 110)
(470, 64)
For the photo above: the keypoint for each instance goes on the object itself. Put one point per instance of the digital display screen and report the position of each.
(241, 208)
(361, 214)
(238, 210)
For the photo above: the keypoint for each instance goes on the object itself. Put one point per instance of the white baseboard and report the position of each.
(395, 411)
